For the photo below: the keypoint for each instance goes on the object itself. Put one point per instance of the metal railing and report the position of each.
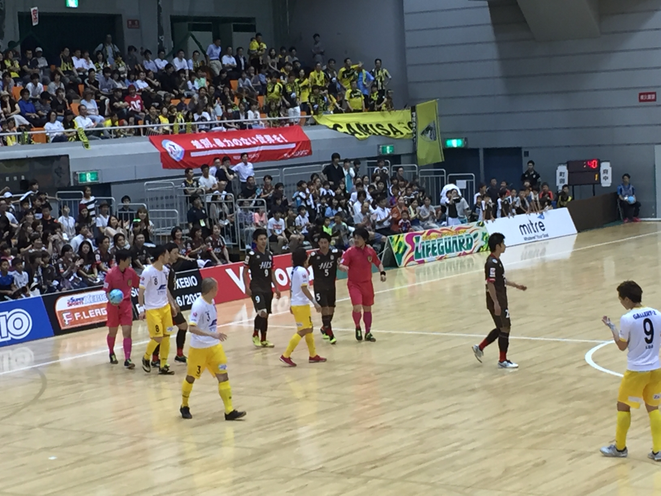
(433, 181)
(222, 212)
(164, 220)
(292, 175)
(371, 167)
(113, 132)
(250, 215)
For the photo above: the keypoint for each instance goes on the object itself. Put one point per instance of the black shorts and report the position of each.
(325, 297)
(262, 301)
(503, 320)
(179, 319)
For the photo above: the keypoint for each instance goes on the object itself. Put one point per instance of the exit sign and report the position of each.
(88, 177)
(72, 4)
(456, 143)
(386, 149)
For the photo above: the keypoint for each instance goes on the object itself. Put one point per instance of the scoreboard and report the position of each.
(584, 172)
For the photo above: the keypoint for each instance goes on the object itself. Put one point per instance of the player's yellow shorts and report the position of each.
(213, 359)
(159, 321)
(303, 317)
(640, 387)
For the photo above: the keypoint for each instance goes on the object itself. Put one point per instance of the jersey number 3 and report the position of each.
(648, 328)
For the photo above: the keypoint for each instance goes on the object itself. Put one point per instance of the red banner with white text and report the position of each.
(179, 151)
(230, 278)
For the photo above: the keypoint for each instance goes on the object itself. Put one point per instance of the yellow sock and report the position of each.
(655, 424)
(151, 347)
(293, 343)
(165, 350)
(623, 423)
(309, 339)
(186, 389)
(225, 392)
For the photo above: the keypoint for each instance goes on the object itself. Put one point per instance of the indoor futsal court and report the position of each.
(413, 413)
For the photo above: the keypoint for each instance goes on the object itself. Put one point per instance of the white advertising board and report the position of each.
(528, 228)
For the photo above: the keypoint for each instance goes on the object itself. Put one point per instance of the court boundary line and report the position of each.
(590, 361)
(395, 288)
(461, 335)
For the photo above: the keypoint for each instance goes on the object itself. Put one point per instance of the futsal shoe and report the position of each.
(234, 415)
(324, 334)
(317, 359)
(331, 337)
(653, 456)
(370, 337)
(287, 361)
(165, 370)
(508, 364)
(180, 359)
(185, 412)
(267, 344)
(146, 366)
(256, 341)
(129, 364)
(626, 220)
(359, 334)
(155, 362)
(612, 452)
(478, 352)
(113, 359)
(636, 219)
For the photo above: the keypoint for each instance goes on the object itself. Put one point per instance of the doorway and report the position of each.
(505, 164)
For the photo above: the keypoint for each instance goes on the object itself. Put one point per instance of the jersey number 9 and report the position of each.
(648, 328)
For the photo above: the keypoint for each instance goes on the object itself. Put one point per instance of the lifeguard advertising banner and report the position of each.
(179, 151)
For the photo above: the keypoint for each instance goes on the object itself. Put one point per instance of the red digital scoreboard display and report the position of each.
(584, 172)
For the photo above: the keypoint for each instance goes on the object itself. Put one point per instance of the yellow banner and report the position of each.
(394, 124)
(428, 133)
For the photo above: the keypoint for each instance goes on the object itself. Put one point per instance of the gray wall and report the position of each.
(360, 29)
(145, 11)
(559, 100)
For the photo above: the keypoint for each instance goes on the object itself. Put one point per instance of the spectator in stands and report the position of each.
(213, 56)
(7, 287)
(136, 106)
(564, 197)
(249, 189)
(35, 87)
(103, 258)
(139, 254)
(180, 63)
(228, 62)
(109, 50)
(28, 110)
(89, 202)
(276, 231)
(85, 121)
(207, 183)
(29, 66)
(21, 278)
(381, 77)
(218, 246)
(67, 270)
(530, 175)
(198, 217)
(524, 204)
(125, 215)
(355, 98)
(493, 191)
(244, 169)
(224, 173)
(191, 185)
(55, 129)
(102, 217)
(629, 205)
(12, 66)
(88, 270)
(334, 172)
(143, 225)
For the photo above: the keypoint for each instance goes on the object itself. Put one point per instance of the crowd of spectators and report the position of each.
(82, 94)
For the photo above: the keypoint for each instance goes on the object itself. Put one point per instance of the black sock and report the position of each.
(491, 337)
(503, 345)
(265, 327)
(181, 339)
(326, 321)
(258, 325)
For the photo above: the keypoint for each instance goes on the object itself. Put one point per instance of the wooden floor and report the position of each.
(412, 414)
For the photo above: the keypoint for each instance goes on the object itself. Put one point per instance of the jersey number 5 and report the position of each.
(648, 328)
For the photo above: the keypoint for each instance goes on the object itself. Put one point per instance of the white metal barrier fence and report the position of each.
(466, 183)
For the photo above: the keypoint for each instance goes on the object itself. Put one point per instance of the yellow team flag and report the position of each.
(392, 124)
(428, 133)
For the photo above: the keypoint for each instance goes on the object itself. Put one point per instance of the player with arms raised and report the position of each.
(324, 267)
(124, 278)
(300, 309)
(639, 334)
(357, 263)
(258, 286)
(206, 352)
(155, 303)
(496, 285)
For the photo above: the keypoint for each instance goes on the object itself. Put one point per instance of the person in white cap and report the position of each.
(42, 65)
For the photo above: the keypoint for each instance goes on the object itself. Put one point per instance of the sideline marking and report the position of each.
(243, 321)
(460, 335)
(591, 362)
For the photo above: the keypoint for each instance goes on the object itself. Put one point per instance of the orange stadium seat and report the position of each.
(41, 137)
(16, 92)
(74, 107)
(234, 84)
